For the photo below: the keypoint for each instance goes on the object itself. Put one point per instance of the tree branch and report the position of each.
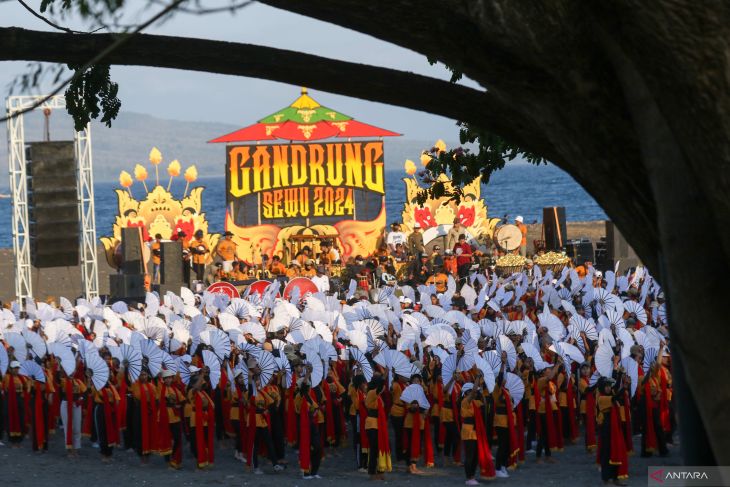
(96, 57)
(373, 83)
(467, 36)
(47, 21)
(233, 7)
(53, 24)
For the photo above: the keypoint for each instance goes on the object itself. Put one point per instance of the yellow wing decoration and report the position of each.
(158, 212)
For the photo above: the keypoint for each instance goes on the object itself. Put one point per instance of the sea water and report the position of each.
(518, 189)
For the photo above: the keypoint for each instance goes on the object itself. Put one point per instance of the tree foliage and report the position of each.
(85, 8)
(463, 164)
(90, 94)
(90, 90)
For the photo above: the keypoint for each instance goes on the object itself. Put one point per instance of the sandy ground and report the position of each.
(23, 467)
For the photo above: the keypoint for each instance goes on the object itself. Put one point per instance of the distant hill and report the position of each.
(133, 135)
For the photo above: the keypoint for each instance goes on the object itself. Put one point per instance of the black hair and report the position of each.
(358, 380)
(376, 383)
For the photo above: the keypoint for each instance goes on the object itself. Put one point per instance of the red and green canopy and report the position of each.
(305, 119)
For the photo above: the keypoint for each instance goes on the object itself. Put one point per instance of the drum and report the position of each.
(362, 282)
(508, 237)
(259, 287)
(304, 284)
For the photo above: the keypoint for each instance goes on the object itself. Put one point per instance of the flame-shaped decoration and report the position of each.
(140, 173)
(155, 156)
(439, 213)
(155, 160)
(410, 167)
(191, 174)
(425, 158)
(440, 146)
(173, 169)
(126, 181)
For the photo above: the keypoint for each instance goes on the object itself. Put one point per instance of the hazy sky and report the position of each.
(185, 95)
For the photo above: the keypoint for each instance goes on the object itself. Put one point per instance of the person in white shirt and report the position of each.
(395, 237)
(321, 280)
(335, 253)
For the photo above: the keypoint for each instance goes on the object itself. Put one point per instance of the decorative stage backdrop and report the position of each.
(159, 211)
(436, 216)
(284, 196)
(281, 196)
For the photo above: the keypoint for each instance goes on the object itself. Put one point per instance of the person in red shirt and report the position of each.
(462, 250)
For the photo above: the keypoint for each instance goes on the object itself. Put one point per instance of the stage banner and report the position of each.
(282, 197)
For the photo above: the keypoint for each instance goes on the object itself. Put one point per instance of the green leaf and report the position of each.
(463, 164)
(90, 94)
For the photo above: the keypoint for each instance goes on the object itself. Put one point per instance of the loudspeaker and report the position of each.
(601, 262)
(132, 261)
(53, 207)
(127, 286)
(554, 227)
(580, 251)
(62, 252)
(171, 264)
(617, 249)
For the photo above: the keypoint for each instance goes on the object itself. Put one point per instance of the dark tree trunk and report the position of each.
(694, 440)
(693, 235)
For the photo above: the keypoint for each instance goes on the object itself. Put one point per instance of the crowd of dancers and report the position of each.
(481, 375)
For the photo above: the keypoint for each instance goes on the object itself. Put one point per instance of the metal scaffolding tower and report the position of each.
(19, 189)
(85, 187)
